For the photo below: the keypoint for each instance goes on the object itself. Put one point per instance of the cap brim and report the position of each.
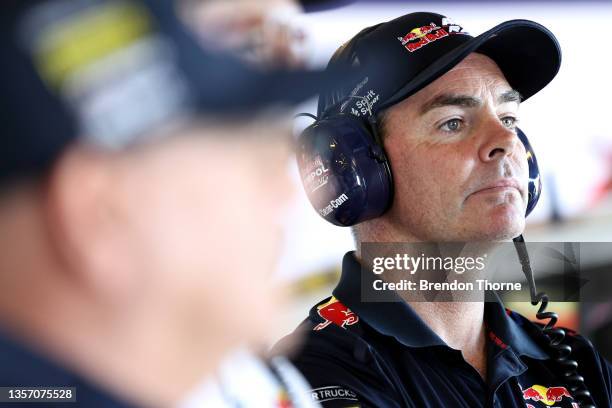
(222, 83)
(321, 5)
(225, 85)
(527, 53)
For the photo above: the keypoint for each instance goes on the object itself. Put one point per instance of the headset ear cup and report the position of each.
(535, 181)
(343, 180)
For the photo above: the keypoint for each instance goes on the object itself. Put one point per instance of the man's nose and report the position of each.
(499, 141)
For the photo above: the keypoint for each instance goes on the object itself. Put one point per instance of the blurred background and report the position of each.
(567, 124)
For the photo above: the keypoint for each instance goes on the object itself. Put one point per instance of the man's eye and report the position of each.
(452, 125)
(509, 122)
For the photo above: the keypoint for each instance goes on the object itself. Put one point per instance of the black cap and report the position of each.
(114, 70)
(398, 58)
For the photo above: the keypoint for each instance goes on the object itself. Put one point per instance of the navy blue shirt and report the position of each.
(375, 354)
(21, 367)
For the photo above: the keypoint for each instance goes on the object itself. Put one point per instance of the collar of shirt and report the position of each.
(389, 318)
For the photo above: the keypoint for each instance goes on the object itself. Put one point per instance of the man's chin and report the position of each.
(504, 230)
(500, 224)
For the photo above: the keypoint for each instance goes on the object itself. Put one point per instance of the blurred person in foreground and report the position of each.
(425, 148)
(138, 209)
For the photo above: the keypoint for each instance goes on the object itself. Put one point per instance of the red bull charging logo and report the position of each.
(546, 395)
(421, 36)
(335, 312)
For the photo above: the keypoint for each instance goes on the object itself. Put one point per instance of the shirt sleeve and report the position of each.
(596, 370)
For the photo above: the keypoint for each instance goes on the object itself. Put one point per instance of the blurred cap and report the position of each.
(113, 71)
(321, 5)
(399, 57)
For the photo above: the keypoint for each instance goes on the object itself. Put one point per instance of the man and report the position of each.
(123, 203)
(425, 148)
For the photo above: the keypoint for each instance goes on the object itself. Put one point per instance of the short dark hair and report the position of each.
(381, 124)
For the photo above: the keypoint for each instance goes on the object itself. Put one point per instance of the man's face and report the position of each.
(460, 170)
(167, 248)
(200, 226)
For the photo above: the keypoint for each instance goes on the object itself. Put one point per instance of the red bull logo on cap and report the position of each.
(335, 312)
(421, 36)
(418, 32)
(546, 395)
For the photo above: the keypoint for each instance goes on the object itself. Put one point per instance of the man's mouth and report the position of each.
(500, 186)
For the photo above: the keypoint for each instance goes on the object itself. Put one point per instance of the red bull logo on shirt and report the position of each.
(421, 36)
(335, 312)
(546, 395)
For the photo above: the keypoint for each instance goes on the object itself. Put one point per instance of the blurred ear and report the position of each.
(85, 222)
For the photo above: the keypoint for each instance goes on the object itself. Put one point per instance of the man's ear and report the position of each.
(85, 223)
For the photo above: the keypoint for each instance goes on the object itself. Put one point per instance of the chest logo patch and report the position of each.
(545, 395)
(335, 312)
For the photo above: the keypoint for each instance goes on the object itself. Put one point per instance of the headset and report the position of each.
(348, 180)
(346, 173)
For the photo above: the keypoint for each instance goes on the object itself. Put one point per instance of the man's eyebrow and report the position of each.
(510, 96)
(467, 101)
(439, 101)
